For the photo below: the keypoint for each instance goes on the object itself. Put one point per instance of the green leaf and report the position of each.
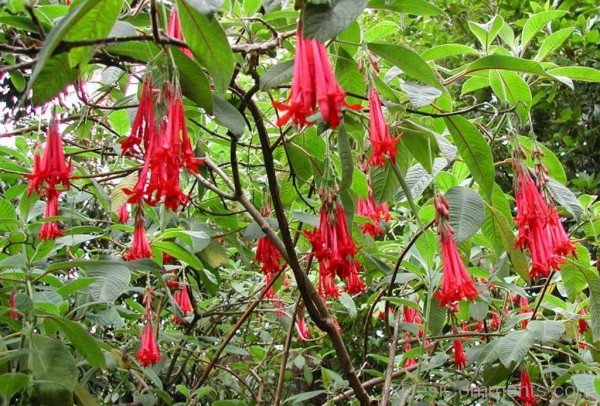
(512, 89)
(514, 346)
(276, 75)
(573, 279)
(436, 318)
(467, 212)
(565, 198)
(448, 50)
(360, 184)
(555, 168)
(206, 7)
(593, 280)
(228, 115)
(553, 42)
(581, 73)
(486, 33)
(420, 96)
(76, 13)
(380, 31)
(177, 251)
(384, 183)
(83, 342)
(587, 384)
(348, 303)
(55, 75)
(536, 22)
(410, 62)
(417, 7)
(546, 330)
(96, 24)
(194, 83)
(475, 151)
(12, 383)
(325, 21)
(111, 282)
(208, 42)
(504, 62)
(52, 362)
(421, 142)
(303, 397)
(345, 153)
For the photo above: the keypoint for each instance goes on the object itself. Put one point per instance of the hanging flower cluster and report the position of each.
(375, 212)
(269, 258)
(313, 84)
(166, 147)
(148, 354)
(383, 146)
(334, 248)
(540, 229)
(457, 284)
(183, 300)
(174, 31)
(51, 174)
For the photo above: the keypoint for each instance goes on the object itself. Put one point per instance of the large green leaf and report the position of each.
(82, 340)
(52, 362)
(12, 383)
(512, 89)
(475, 151)
(446, 51)
(96, 24)
(581, 73)
(194, 83)
(417, 7)
(593, 280)
(514, 346)
(347, 163)
(421, 142)
(553, 42)
(535, 23)
(54, 77)
(467, 212)
(487, 33)
(52, 41)
(228, 115)
(277, 75)
(551, 161)
(208, 42)
(111, 282)
(384, 183)
(326, 20)
(409, 61)
(177, 251)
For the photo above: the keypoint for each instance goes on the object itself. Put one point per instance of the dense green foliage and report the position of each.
(466, 85)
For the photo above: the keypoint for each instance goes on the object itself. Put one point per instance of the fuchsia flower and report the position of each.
(50, 229)
(182, 298)
(123, 214)
(174, 30)
(559, 239)
(460, 358)
(383, 146)
(167, 150)
(411, 361)
(495, 324)
(302, 327)
(457, 284)
(140, 248)
(376, 212)
(148, 354)
(269, 258)
(313, 83)
(12, 304)
(523, 303)
(527, 397)
(334, 248)
(582, 324)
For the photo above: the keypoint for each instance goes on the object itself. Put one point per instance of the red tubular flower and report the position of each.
(583, 325)
(302, 327)
(460, 358)
(411, 361)
(123, 214)
(523, 303)
(269, 258)
(148, 354)
(527, 397)
(12, 304)
(376, 212)
(144, 123)
(313, 83)
(383, 146)
(457, 284)
(50, 229)
(533, 215)
(140, 247)
(334, 248)
(174, 30)
(51, 169)
(495, 324)
(182, 298)
(559, 239)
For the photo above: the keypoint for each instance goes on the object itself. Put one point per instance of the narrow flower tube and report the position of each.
(50, 229)
(182, 299)
(270, 260)
(174, 30)
(313, 84)
(583, 326)
(460, 358)
(123, 214)
(457, 284)
(383, 146)
(148, 354)
(140, 247)
(527, 396)
(12, 304)
(302, 327)
(375, 212)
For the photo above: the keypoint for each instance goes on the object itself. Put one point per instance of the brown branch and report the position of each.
(286, 350)
(385, 393)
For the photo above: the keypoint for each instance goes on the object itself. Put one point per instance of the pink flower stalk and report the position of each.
(375, 212)
(174, 31)
(334, 248)
(460, 358)
(313, 84)
(457, 284)
(148, 354)
(123, 214)
(50, 229)
(182, 298)
(140, 247)
(527, 397)
(383, 146)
